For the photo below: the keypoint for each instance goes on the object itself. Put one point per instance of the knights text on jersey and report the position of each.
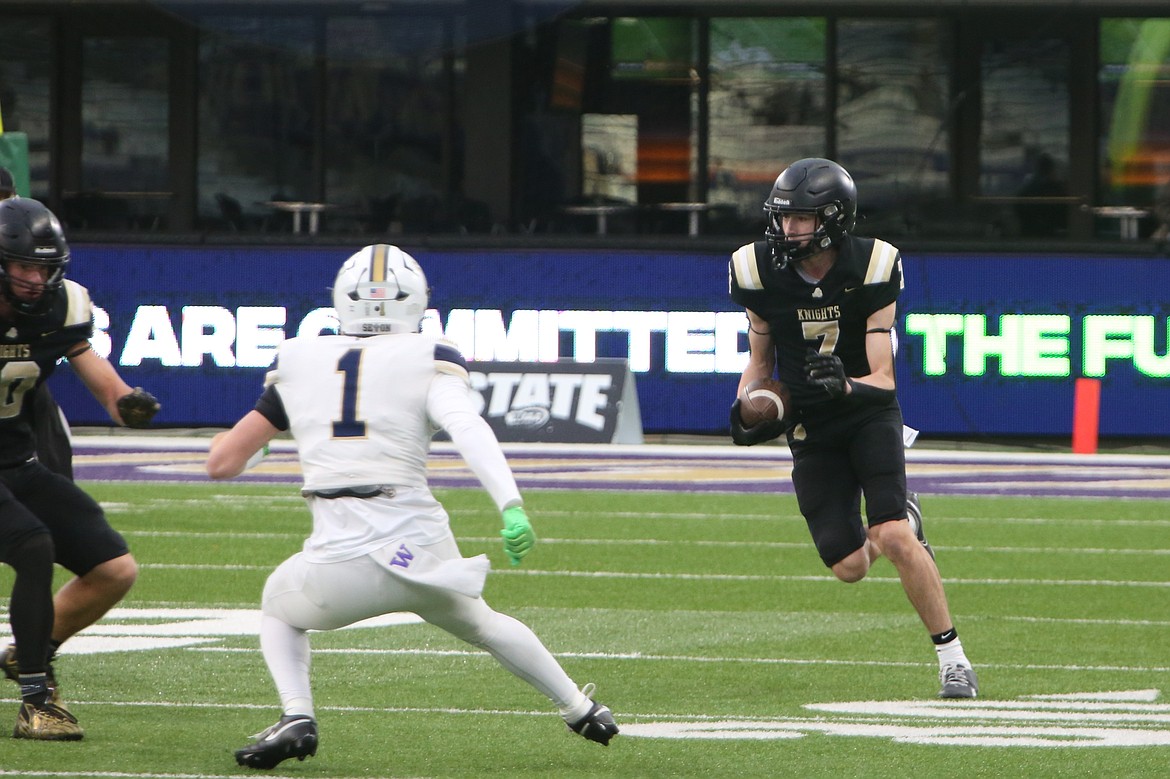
(357, 406)
(30, 347)
(829, 315)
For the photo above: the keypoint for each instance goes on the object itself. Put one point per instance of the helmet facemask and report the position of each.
(829, 231)
(30, 234)
(41, 304)
(817, 187)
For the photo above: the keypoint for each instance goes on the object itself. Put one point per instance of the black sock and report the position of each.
(30, 609)
(34, 688)
(945, 637)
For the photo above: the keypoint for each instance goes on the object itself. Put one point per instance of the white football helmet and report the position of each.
(380, 289)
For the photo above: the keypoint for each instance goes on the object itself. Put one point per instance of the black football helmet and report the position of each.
(810, 186)
(31, 233)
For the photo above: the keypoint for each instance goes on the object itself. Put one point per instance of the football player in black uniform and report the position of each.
(45, 517)
(54, 448)
(821, 309)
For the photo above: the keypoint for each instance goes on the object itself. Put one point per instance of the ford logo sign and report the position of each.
(528, 416)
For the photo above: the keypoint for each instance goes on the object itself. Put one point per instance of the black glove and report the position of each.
(137, 408)
(827, 372)
(757, 434)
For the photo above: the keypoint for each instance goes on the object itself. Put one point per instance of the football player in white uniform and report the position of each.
(362, 407)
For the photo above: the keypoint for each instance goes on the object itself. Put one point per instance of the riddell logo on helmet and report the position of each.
(45, 250)
(779, 201)
(376, 327)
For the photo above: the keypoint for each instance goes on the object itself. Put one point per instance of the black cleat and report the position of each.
(293, 736)
(914, 514)
(597, 724)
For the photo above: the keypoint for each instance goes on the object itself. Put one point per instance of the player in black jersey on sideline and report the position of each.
(44, 516)
(54, 447)
(821, 307)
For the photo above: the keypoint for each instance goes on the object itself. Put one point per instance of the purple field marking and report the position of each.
(694, 468)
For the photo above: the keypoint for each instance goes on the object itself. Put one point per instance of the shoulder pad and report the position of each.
(883, 259)
(80, 308)
(449, 360)
(744, 268)
(272, 375)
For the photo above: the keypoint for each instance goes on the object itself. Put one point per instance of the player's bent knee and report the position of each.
(853, 568)
(849, 575)
(119, 573)
(126, 569)
(899, 544)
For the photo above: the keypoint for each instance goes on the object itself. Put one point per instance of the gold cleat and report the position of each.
(46, 722)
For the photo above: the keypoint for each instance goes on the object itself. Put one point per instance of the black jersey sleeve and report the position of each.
(271, 407)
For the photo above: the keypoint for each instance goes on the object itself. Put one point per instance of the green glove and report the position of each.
(518, 536)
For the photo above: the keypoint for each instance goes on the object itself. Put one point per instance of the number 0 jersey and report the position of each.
(30, 347)
(829, 315)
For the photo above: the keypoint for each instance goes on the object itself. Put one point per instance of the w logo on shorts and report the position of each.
(403, 558)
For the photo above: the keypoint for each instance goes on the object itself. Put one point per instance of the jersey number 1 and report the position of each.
(349, 426)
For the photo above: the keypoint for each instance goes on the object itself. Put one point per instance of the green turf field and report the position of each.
(707, 622)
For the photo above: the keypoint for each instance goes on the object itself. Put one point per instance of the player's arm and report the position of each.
(762, 353)
(231, 451)
(103, 381)
(879, 349)
(761, 365)
(825, 370)
(450, 406)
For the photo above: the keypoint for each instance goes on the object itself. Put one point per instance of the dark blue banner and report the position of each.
(990, 344)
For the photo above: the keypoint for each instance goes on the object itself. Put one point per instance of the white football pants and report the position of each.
(301, 595)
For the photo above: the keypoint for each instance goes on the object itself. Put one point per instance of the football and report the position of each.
(763, 400)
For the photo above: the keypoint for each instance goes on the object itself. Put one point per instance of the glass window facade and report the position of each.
(1134, 90)
(125, 139)
(389, 153)
(893, 118)
(432, 118)
(257, 134)
(27, 56)
(766, 103)
(1024, 137)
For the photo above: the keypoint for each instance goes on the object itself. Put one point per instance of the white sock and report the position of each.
(286, 651)
(577, 711)
(951, 653)
(299, 707)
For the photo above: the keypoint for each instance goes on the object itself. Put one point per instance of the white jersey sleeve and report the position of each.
(453, 407)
